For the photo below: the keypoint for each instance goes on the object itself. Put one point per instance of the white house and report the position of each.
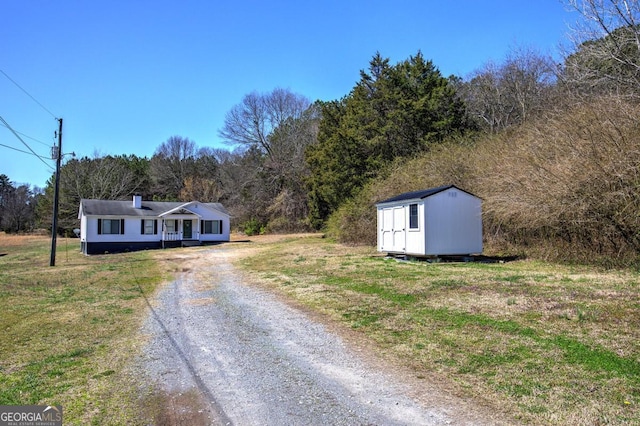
(116, 226)
(433, 222)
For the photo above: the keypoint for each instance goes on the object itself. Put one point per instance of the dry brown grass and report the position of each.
(15, 240)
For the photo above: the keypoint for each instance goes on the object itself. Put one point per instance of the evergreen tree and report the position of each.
(392, 112)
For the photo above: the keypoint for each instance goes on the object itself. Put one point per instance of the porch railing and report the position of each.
(178, 236)
(171, 236)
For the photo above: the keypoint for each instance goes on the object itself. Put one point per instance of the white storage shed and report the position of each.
(438, 221)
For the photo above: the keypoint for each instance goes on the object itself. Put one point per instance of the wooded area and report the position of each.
(551, 148)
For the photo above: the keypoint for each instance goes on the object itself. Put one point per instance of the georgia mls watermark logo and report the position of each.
(30, 415)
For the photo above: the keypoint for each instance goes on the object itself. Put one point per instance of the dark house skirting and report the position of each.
(118, 247)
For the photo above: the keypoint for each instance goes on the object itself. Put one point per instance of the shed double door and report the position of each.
(394, 229)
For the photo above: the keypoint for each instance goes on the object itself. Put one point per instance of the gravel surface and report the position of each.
(257, 361)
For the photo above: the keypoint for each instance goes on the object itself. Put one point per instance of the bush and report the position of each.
(571, 181)
(253, 227)
(354, 223)
(283, 225)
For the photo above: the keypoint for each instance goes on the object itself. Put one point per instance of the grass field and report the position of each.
(544, 343)
(70, 332)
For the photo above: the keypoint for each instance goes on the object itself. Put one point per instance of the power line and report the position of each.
(24, 152)
(25, 144)
(32, 138)
(16, 149)
(27, 152)
(28, 94)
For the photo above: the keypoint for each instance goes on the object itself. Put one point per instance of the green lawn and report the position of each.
(70, 332)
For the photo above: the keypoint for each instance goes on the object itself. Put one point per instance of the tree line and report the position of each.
(18, 206)
(293, 164)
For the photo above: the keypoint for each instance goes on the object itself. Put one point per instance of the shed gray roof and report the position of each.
(125, 208)
(424, 193)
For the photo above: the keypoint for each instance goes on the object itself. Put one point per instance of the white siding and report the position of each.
(132, 232)
(453, 223)
(83, 228)
(415, 237)
(449, 223)
(209, 214)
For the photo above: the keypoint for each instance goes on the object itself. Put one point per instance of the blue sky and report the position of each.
(125, 75)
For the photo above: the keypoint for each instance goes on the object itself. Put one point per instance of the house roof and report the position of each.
(148, 208)
(418, 195)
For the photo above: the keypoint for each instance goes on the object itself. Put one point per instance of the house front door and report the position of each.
(187, 229)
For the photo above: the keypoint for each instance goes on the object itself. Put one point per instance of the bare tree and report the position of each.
(288, 169)
(485, 96)
(499, 96)
(101, 177)
(245, 193)
(267, 169)
(171, 165)
(605, 51)
(202, 189)
(252, 122)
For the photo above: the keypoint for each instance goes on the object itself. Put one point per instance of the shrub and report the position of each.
(571, 181)
(253, 227)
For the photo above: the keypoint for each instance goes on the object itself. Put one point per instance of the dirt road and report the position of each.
(229, 353)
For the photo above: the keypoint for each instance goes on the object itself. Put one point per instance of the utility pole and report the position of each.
(56, 155)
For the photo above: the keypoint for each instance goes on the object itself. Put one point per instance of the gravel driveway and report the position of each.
(254, 360)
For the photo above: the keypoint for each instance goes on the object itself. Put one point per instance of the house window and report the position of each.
(170, 226)
(148, 226)
(413, 216)
(211, 227)
(110, 226)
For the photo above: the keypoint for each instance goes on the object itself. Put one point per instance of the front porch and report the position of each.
(180, 231)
